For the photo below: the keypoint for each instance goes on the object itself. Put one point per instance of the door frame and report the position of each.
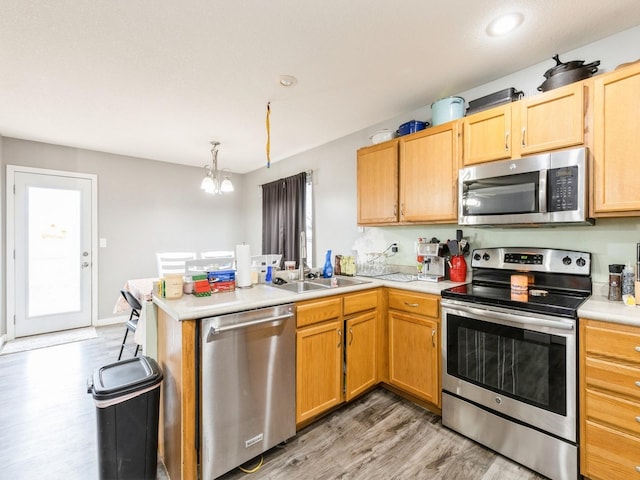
(10, 229)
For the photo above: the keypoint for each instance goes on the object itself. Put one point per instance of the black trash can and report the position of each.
(127, 398)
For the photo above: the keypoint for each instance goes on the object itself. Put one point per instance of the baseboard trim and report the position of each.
(101, 322)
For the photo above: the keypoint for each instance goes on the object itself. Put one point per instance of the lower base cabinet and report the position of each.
(318, 369)
(414, 339)
(610, 399)
(337, 351)
(360, 353)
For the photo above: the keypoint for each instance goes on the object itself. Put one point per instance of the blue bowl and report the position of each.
(411, 127)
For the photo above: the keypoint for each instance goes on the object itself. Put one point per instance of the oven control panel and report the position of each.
(533, 260)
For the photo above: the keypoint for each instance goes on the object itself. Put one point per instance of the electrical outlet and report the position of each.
(394, 248)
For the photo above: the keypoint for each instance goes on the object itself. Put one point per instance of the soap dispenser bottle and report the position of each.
(628, 280)
(327, 270)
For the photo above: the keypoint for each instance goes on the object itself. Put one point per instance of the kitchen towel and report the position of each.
(243, 266)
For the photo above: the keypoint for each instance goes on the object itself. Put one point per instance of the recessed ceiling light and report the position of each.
(504, 24)
(288, 80)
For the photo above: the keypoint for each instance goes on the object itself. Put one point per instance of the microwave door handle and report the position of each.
(542, 190)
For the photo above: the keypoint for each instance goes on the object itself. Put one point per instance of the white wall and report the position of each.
(147, 206)
(610, 241)
(144, 206)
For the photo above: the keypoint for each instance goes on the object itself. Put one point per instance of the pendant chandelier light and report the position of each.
(212, 182)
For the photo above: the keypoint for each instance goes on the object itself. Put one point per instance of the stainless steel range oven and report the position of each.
(510, 356)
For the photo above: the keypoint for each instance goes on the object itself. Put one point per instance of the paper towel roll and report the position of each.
(243, 266)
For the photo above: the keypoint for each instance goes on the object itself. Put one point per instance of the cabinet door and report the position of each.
(318, 369)
(429, 175)
(377, 174)
(413, 355)
(616, 143)
(487, 135)
(360, 339)
(552, 120)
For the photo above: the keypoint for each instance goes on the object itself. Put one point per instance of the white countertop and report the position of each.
(190, 307)
(598, 307)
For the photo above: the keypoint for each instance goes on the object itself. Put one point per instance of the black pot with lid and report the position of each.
(564, 73)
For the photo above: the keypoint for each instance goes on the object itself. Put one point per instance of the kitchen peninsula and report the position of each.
(177, 326)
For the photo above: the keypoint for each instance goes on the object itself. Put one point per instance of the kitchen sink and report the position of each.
(318, 284)
(339, 281)
(299, 287)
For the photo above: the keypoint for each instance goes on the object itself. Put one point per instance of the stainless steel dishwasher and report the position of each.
(247, 386)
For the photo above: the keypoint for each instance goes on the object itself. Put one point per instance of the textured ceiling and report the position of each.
(161, 79)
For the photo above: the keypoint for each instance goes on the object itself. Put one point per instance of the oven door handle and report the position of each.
(539, 322)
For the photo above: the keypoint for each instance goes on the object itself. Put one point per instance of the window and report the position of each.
(286, 212)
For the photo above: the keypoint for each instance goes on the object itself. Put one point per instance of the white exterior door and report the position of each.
(52, 250)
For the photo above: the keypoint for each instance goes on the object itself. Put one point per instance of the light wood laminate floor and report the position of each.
(47, 418)
(48, 430)
(382, 436)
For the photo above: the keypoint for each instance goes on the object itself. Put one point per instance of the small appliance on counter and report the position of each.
(433, 265)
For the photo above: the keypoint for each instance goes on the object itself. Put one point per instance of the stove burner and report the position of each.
(554, 289)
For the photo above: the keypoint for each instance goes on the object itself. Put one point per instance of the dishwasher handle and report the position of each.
(237, 326)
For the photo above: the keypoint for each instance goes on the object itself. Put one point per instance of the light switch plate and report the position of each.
(103, 243)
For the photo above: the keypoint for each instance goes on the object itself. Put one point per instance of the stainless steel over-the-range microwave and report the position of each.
(549, 188)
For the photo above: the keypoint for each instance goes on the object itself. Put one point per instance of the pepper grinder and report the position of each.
(615, 282)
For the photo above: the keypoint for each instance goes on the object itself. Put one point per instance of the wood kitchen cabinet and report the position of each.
(412, 179)
(337, 349)
(616, 143)
(377, 177)
(429, 164)
(548, 121)
(414, 344)
(318, 357)
(361, 346)
(610, 399)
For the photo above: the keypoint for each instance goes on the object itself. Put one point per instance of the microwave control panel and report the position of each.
(563, 189)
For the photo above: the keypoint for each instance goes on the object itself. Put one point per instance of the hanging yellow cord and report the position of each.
(254, 469)
(268, 135)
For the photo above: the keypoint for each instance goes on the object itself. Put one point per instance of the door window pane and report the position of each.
(53, 246)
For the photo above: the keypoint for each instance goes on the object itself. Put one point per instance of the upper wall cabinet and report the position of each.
(616, 143)
(548, 121)
(412, 179)
(377, 174)
(429, 163)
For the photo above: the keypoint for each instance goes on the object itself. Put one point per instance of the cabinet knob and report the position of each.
(638, 383)
(638, 348)
(524, 129)
(506, 141)
(638, 419)
(340, 337)
(414, 305)
(351, 338)
(638, 468)
(433, 337)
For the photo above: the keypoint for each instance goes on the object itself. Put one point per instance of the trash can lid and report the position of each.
(124, 377)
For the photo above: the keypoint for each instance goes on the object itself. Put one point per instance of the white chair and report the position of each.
(173, 262)
(220, 259)
(218, 254)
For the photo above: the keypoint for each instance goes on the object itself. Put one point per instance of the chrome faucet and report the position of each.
(303, 255)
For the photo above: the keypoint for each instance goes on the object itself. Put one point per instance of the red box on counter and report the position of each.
(223, 287)
(222, 280)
